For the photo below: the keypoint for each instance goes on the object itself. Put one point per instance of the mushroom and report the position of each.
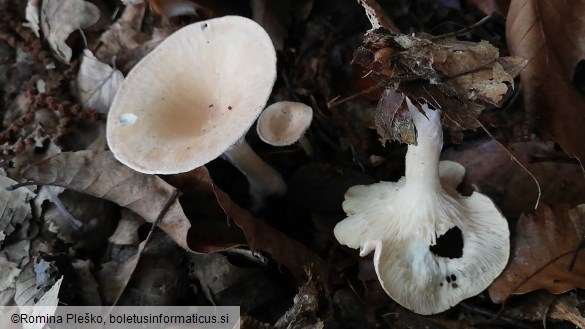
(193, 98)
(407, 222)
(284, 123)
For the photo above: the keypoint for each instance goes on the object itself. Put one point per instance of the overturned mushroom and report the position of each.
(405, 223)
(194, 98)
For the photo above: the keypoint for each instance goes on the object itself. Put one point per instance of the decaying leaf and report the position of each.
(14, 208)
(124, 33)
(32, 15)
(101, 175)
(545, 243)
(552, 37)
(454, 76)
(303, 312)
(98, 83)
(59, 18)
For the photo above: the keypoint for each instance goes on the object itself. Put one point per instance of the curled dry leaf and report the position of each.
(101, 175)
(98, 83)
(59, 18)
(259, 235)
(551, 36)
(545, 243)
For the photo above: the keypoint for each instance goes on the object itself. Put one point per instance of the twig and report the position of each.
(482, 311)
(462, 31)
(336, 101)
(515, 160)
(378, 18)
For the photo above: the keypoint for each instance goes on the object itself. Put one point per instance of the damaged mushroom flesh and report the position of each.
(407, 222)
(193, 98)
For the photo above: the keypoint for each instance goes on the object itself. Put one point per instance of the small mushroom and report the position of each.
(285, 123)
(193, 98)
(407, 222)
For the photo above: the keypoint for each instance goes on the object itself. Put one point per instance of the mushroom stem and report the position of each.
(264, 180)
(422, 159)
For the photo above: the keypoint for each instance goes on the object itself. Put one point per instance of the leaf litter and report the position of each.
(288, 246)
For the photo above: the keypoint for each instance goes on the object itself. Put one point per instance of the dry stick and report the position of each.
(462, 31)
(378, 18)
(336, 101)
(515, 160)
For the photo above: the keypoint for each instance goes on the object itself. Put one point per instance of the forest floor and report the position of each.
(80, 226)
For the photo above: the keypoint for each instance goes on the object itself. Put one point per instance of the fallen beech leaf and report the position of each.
(259, 235)
(101, 175)
(544, 246)
(59, 18)
(98, 83)
(552, 37)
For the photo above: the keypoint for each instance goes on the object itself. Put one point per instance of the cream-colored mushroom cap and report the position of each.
(193, 96)
(283, 123)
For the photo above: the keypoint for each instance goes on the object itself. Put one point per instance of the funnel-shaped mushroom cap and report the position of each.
(284, 123)
(193, 96)
(404, 223)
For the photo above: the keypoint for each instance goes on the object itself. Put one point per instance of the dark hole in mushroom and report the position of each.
(454, 285)
(453, 277)
(449, 245)
(203, 27)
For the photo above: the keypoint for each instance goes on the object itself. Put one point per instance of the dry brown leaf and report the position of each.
(259, 235)
(59, 18)
(124, 33)
(101, 175)
(544, 245)
(97, 83)
(490, 168)
(551, 36)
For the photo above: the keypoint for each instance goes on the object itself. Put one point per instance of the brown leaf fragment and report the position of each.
(59, 18)
(392, 119)
(303, 312)
(551, 36)
(544, 245)
(99, 174)
(124, 34)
